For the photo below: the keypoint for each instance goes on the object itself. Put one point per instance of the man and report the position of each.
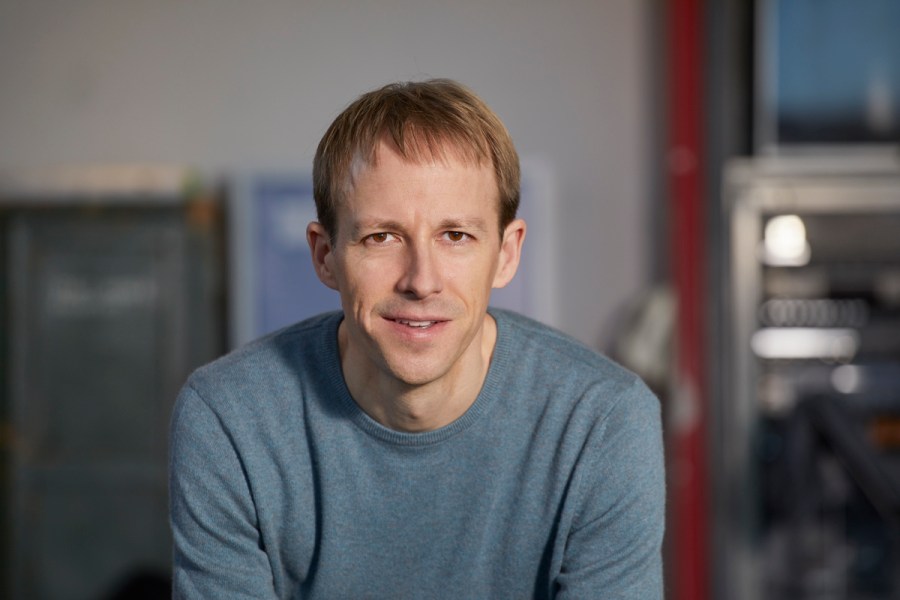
(416, 444)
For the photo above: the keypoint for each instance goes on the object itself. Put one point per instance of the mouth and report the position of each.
(416, 324)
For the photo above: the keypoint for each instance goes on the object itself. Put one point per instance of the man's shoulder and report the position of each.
(532, 341)
(561, 374)
(273, 356)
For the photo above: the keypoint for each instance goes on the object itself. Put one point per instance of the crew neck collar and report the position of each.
(483, 401)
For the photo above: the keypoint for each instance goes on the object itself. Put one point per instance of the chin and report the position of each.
(415, 375)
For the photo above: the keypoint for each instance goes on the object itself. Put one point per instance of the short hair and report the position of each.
(424, 120)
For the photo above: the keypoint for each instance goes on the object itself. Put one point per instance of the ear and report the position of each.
(510, 252)
(322, 253)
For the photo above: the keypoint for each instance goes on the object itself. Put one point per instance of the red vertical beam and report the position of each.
(689, 517)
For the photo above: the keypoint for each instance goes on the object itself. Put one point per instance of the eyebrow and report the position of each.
(476, 223)
(472, 224)
(357, 227)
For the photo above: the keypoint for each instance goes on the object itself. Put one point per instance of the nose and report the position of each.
(422, 276)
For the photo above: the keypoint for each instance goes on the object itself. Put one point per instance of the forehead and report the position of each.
(443, 182)
(417, 149)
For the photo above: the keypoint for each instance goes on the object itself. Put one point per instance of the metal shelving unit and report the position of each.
(808, 433)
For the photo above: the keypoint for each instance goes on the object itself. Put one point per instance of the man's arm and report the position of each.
(217, 552)
(614, 549)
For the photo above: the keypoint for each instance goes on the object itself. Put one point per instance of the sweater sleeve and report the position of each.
(614, 549)
(217, 546)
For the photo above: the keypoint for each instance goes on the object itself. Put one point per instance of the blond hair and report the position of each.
(426, 120)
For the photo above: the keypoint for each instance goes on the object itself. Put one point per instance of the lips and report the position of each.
(417, 324)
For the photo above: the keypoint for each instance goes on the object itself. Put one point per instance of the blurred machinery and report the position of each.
(111, 290)
(808, 435)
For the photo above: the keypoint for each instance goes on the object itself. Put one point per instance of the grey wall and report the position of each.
(235, 86)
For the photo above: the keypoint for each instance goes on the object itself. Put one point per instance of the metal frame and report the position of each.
(754, 187)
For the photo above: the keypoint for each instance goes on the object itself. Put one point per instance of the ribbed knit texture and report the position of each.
(550, 485)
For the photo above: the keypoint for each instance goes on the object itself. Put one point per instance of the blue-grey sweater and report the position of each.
(549, 486)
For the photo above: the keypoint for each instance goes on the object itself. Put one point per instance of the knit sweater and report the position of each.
(549, 486)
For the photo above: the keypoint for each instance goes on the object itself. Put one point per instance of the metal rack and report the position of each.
(808, 431)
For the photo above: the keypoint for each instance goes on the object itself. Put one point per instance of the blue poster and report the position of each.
(288, 289)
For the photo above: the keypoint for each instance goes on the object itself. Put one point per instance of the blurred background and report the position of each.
(713, 197)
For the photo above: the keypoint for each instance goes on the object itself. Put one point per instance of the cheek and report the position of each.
(364, 286)
(473, 281)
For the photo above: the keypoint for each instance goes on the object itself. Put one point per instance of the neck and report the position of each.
(408, 407)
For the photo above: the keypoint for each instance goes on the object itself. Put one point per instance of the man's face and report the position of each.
(416, 255)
